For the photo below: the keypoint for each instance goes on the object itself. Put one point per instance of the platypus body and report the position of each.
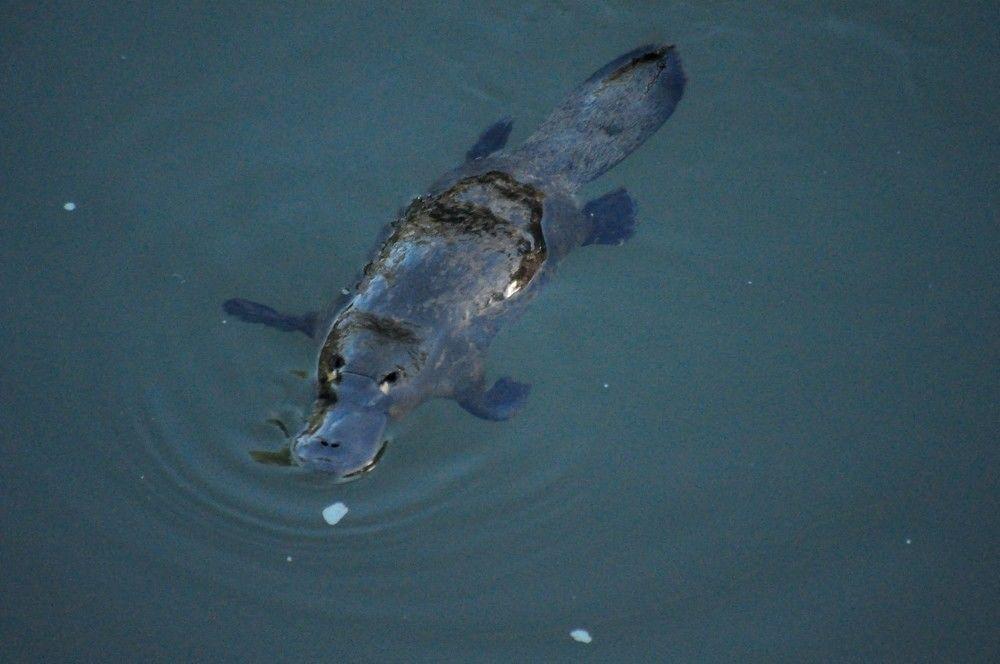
(465, 258)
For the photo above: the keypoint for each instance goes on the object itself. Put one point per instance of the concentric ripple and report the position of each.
(449, 490)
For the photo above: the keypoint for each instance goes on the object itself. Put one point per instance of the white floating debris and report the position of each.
(69, 206)
(909, 541)
(605, 386)
(334, 513)
(288, 558)
(344, 291)
(581, 635)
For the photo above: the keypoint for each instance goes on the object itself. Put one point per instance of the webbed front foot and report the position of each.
(612, 217)
(500, 402)
(254, 312)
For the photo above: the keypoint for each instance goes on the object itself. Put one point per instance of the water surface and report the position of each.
(763, 430)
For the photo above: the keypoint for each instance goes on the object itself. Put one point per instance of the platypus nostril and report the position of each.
(326, 443)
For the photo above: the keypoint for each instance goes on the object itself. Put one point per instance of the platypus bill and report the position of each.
(466, 257)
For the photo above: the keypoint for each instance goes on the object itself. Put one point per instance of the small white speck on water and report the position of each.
(606, 386)
(334, 513)
(142, 477)
(69, 206)
(581, 635)
(909, 541)
(749, 283)
(344, 291)
(288, 559)
(224, 321)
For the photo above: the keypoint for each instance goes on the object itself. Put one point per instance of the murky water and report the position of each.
(764, 429)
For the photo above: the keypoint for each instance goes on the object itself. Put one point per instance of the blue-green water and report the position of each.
(765, 429)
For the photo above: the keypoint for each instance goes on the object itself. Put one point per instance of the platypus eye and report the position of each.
(387, 381)
(338, 361)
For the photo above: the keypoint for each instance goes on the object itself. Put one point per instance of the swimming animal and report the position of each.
(466, 257)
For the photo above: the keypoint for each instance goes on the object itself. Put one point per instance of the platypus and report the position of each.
(466, 257)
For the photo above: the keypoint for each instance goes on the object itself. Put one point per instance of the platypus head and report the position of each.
(367, 371)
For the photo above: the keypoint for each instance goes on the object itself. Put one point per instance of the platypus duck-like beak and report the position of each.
(345, 445)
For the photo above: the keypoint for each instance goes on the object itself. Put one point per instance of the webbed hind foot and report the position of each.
(613, 218)
(494, 138)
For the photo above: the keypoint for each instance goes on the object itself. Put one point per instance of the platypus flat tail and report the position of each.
(607, 117)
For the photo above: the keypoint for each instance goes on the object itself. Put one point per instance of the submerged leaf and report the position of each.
(282, 457)
(281, 425)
